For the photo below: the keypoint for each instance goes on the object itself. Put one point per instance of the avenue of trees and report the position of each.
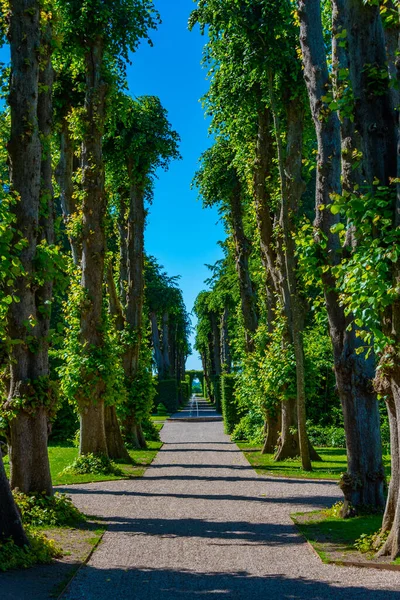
(83, 310)
(304, 307)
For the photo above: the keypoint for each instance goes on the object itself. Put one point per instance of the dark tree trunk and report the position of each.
(273, 423)
(363, 484)
(64, 174)
(91, 397)
(29, 367)
(156, 345)
(288, 443)
(242, 254)
(123, 248)
(115, 444)
(165, 345)
(10, 521)
(216, 343)
(226, 359)
(134, 303)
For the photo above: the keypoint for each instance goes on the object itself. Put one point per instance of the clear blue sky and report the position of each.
(180, 234)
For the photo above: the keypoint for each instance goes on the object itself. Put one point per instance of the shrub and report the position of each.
(250, 429)
(150, 431)
(185, 391)
(65, 424)
(94, 464)
(40, 510)
(216, 391)
(230, 410)
(333, 437)
(167, 393)
(161, 410)
(41, 550)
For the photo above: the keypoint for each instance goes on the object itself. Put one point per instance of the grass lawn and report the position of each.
(159, 418)
(333, 538)
(334, 462)
(62, 456)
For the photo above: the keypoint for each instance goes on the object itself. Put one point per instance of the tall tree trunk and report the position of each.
(165, 345)
(226, 359)
(288, 443)
(156, 345)
(134, 302)
(10, 520)
(91, 396)
(363, 484)
(64, 174)
(115, 443)
(242, 254)
(28, 319)
(123, 248)
(216, 344)
(273, 424)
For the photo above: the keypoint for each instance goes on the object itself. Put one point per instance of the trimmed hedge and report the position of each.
(230, 410)
(167, 393)
(216, 391)
(184, 391)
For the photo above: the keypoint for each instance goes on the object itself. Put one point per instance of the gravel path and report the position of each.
(202, 523)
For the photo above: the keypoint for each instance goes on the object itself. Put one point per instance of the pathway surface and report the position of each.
(201, 523)
(197, 409)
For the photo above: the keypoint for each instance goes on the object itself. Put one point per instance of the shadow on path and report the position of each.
(167, 584)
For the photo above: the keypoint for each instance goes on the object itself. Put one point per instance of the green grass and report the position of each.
(162, 418)
(334, 462)
(329, 534)
(63, 456)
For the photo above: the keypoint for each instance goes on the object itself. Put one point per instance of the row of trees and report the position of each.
(304, 102)
(78, 161)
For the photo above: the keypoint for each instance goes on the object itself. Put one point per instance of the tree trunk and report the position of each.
(64, 174)
(273, 423)
(242, 254)
(216, 343)
(10, 521)
(28, 382)
(91, 397)
(156, 345)
(123, 248)
(165, 345)
(226, 360)
(115, 444)
(288, 443)
(363, 484)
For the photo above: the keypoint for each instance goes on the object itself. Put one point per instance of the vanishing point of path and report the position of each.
(201, 523)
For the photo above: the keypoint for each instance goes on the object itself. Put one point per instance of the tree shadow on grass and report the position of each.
(168, 584)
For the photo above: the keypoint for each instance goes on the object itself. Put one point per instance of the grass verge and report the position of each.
(333, 538)
(62, 456)
(334, 462)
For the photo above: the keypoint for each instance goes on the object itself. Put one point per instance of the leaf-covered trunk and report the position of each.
(226, 359)
(363, 484)
(91, 396)
(165, 346)
(155, 334)
(29, 389)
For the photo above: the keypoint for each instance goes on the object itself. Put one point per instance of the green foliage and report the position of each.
(230, 410)
(250, 428)
(93, 464)
(371, 543)
(150, 431)
(167, 393)
(184, 391)
(331, 437)
(65, 424)
(161, 409)
(41, 550)
(39, 510)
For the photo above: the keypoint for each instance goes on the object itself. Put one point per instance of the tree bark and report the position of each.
(91, 398)
(115, 443)
(28, 319)
(156, 345)
(288, 443)
(10, 521)
(363, 484)
(273, 422)
(242, 254)
(64, 174)
(226, 359)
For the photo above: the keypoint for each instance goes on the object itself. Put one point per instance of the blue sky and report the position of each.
(180, 234)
